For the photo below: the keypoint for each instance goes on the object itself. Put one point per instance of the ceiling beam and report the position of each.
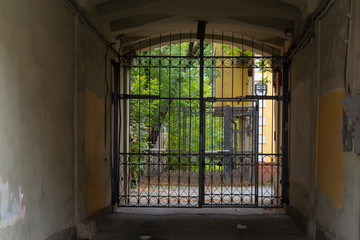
(112, 6)
(113, 9)
(136, 21)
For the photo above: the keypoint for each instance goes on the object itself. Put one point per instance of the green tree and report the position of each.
(169, 78)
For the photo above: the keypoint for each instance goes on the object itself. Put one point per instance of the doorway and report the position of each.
(205, 125)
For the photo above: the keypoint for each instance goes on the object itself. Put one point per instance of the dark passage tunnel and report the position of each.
(124, 117)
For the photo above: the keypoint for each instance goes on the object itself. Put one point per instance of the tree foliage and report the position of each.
(169, 77)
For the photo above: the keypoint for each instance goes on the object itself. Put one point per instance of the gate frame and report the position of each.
(117, 96)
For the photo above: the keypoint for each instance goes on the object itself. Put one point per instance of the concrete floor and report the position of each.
(206, 223)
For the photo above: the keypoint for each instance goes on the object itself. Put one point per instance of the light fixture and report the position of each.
(260, 90)
(121, 38)
(242, 60)
(289, 32)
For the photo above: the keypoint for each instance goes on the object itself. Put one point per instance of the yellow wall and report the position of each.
(330, 157)
(269, 115)
(94, 153)
(232, 83)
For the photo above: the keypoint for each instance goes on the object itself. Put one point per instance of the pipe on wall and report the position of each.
(76, 120)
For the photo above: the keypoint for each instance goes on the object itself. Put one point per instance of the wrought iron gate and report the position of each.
(200, 129)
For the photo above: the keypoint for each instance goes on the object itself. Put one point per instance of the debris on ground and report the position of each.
(241, 227)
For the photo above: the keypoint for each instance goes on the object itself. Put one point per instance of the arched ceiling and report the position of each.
(262, 20)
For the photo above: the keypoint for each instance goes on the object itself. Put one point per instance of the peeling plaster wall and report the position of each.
(95, 152)
(324, 181)
(330, 155)
(37, 123)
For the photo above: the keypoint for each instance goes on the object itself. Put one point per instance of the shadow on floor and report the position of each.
(170, 224)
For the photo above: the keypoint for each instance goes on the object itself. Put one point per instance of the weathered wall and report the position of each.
(94, 153)
(92, 86)
(38, 122)
(36, 109)
(324, 181)
(330, 156)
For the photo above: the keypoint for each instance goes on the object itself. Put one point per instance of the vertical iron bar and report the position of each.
(184, 138)
(138, 164)
(285, 176)
(201, 37)
(262, 127)
(232, 139)
(256, 155)
(222, 113)
(190, 130)
(227, 143)
(169, 165)
(257, 159)
(179, 129)
(148, 160)
(159, 157)
(115, 195)
(213, 83)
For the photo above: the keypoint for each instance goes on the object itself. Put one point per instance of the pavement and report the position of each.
(199, 224)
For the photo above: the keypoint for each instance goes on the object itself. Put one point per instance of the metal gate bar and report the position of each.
(201, 37)
(116, 165)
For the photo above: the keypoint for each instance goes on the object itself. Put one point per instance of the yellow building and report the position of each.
(232, 83)
(266, 120)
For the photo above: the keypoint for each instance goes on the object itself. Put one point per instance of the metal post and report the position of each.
(255, 159)
(201, 37)
(184, 109)
(285, 140)
(115, 169)
(227, 143)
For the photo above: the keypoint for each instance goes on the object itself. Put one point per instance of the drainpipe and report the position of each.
(285, 142)
(351, 59)
(347, 56)
(76, 118)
